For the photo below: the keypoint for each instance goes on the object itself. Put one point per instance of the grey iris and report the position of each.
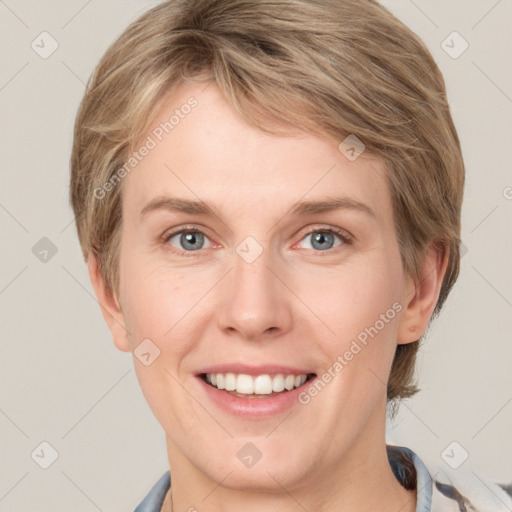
(192, 238)
(320, 238)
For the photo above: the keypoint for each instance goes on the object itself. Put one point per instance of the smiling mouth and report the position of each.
(259, 386)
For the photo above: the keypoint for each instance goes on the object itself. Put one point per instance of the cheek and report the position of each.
(155, 301)
(158, 305)
(352, 298)
(361, 305)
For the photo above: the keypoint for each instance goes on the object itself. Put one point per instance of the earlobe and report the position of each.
(421, 294)
(110, 307)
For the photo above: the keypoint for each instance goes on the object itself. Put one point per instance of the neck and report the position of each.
(361, 479)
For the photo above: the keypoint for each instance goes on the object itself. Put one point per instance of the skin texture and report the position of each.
(295, 305)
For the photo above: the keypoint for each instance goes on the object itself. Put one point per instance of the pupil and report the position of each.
(320, 239)
(191, 240)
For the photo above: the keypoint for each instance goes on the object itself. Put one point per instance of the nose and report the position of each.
(256, 304)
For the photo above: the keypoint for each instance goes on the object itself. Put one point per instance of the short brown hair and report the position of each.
(329, 67)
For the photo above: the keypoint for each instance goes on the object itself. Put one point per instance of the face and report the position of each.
(291, 271)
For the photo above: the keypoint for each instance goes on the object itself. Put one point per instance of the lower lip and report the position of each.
(253, 407)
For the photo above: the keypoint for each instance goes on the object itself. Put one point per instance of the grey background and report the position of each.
(62, 381)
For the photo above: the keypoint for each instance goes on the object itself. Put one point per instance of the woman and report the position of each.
(268, 195)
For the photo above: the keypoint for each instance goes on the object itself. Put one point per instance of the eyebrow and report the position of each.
(300, 209)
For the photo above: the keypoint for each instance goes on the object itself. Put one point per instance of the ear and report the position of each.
(421, 294)
(109, 306)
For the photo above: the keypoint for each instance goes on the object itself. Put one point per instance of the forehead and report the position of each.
(202, 149)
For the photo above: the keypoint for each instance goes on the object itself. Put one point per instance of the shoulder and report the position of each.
(442, 489)
(468, 490)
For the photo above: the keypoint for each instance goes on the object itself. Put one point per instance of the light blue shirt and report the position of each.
(154, 500)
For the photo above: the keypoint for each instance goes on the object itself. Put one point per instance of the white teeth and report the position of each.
(230, 382)
(259, 385)
(299, 380)
(263, 385)
(289, 382)
(278, 383)
(244, 384)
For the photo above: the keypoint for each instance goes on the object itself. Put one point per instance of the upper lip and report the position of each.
(254, 370)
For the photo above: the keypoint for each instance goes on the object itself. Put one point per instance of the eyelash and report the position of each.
(345, 238)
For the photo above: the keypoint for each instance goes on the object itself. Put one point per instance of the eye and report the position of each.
(321, 239)
(188, 240)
